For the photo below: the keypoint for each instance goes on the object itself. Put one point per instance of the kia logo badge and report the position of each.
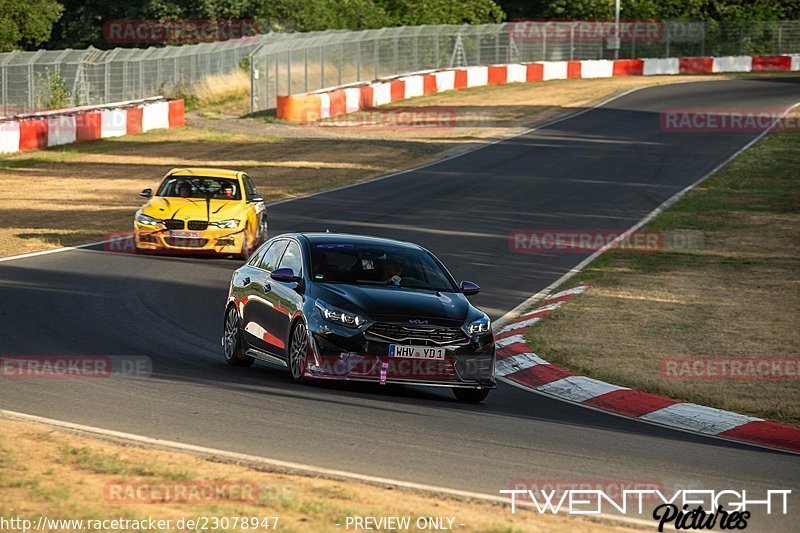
(417, 321)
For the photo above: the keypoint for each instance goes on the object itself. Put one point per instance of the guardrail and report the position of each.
(309, 107)
(43, 130)
(313, 61)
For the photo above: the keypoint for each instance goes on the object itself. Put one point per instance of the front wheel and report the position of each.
(244, 254)
(298, 352)
(470, 395)
(232, 341)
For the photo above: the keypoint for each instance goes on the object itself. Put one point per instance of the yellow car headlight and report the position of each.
(226, 224)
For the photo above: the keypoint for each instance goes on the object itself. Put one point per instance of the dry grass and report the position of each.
(45, 472)
(78, 193)
(223, 94)
(738, 295)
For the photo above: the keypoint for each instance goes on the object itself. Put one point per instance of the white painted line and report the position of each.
(698, 418)
(521, 324)
(574, 290)
(509, 365)
(578, 388)
(502, 343)
(650, 216)
(283, 465)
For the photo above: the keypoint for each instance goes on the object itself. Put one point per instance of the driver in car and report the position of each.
(227, 190)
(184, 189)
(392, 270)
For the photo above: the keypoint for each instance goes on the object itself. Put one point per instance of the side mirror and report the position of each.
(468, 288)
(146, 193)
(255, 198)
(286, 275)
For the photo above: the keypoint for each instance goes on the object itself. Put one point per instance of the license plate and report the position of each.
(185, 234)
(416, 352)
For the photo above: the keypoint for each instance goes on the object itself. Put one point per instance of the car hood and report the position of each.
(398, 305)
(193, 208)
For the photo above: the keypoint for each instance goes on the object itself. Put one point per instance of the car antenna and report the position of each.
(327, 230)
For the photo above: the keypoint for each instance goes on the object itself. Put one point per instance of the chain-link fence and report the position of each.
(313, 61)
(37, 81)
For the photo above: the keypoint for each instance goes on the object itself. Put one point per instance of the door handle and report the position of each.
(245, 282)
(267, 287)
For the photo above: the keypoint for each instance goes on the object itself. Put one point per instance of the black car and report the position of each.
(348, 307)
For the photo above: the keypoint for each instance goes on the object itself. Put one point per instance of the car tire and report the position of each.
(232, 345)
(470, 395)
(298, 352)
(246, 250)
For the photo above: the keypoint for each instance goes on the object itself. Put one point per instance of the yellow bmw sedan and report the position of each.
(201, 210)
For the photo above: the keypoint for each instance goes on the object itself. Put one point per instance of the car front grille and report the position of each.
(185, 243)
(173, 223)
(197, 225)
(430, 335)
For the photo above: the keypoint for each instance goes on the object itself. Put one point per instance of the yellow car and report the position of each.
(201, 210)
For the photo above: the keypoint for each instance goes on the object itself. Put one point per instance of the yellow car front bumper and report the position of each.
(216, 240)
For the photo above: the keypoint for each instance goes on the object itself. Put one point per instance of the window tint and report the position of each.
(255, 259)
(200, 187)
(292, 259)
(271, 257)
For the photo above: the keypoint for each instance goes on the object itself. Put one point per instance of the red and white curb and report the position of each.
(519, 365)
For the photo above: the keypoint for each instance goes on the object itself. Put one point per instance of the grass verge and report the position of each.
(737, 294)
(60, 475)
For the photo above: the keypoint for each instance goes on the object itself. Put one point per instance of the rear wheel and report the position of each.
(232, 341)
(470, 395)
(298, 352)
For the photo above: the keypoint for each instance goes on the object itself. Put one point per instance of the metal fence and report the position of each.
(37, 81)
(312, 61)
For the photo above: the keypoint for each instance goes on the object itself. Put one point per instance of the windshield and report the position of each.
(364, 264)
(200, 187)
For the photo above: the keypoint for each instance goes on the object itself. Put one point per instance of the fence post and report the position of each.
(305, 70)
(289, 71)
(396, 52)
(478, 60)
(358, 60)
(741, 40)
(339, 65)
(375, 57)
(572, 42)
(436, 49)
(321, 67)
(780, 37)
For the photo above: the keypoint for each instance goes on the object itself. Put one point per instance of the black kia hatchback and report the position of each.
(358, 308)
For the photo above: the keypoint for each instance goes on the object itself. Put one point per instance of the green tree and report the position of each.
(29, 23)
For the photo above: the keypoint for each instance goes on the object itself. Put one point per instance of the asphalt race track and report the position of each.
(606, 168)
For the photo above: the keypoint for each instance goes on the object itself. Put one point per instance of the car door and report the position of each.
(258, 313)
(287, 299)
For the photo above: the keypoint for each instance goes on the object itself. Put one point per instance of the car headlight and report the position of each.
(339, 316)
(227, 224)
(141, 218)
(480, 326)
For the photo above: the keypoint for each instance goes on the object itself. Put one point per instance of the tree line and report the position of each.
(56, 24)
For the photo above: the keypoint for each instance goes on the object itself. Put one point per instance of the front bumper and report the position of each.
(361, 358)
(212, 241)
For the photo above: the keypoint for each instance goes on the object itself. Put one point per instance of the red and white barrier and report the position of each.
(43, 130)
(517, 363)
(332, 102)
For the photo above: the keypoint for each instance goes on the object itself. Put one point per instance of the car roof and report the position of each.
(347, 238)
(205, 172)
